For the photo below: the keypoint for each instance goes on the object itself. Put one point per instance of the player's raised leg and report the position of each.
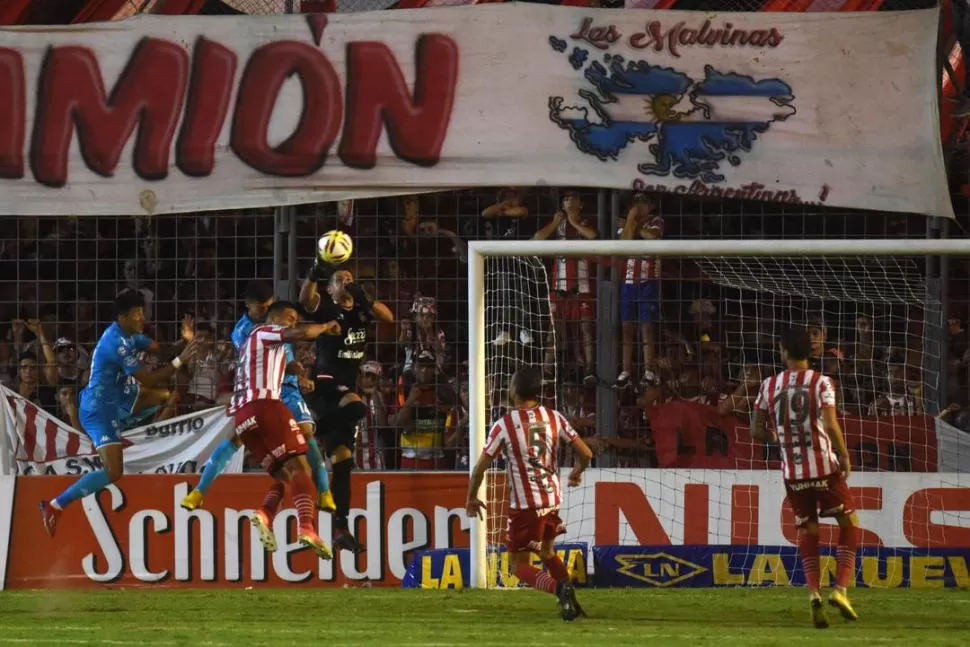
(296, 471)
(293, 399)
(104, 432)
(339, 441)
(263, 518)
(530, 531)
(212, 468)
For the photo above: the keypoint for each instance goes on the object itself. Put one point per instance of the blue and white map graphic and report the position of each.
(691, 126)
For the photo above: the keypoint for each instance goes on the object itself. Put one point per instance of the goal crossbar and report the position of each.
(479, 250)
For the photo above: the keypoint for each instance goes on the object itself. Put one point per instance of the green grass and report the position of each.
(645, 617)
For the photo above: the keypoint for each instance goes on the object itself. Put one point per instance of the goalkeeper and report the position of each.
(337, 406)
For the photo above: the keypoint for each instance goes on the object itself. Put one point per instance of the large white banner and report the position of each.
(722, 507)
(168, 114)
(40, 443)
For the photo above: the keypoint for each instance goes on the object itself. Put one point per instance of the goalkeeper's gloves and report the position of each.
(360, 297)
(321, 271)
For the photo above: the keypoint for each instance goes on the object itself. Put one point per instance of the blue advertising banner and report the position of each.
(448, 568)
(709, 566)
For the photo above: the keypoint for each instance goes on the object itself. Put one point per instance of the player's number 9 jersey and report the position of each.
(529, 439)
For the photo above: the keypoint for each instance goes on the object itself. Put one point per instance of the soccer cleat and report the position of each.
(48, 516)
(325, 502)
(502, 339)
(266, 536)
(345, 541)
(576, 605)
(312, 540)
(567, 596)
(192, 500)
(840, 601)
(818, 613)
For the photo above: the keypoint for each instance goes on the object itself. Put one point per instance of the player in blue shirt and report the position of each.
(108, 399)
(259, 297)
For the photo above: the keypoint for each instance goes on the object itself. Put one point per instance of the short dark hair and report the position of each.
(258, 292)
(280, 306)
(203, 326)
(527, 383)
(27, 355)
(571, 193)
(796, 343)
(127, 301)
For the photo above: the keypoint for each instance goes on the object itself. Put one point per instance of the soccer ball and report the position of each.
(335, 247)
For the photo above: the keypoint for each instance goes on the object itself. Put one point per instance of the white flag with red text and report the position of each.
(36, 442)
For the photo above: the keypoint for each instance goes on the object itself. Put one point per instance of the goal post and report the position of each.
(484, 533)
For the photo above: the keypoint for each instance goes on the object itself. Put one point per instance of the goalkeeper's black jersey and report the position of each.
(339, 356)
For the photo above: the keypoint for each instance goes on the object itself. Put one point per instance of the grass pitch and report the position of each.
(721, 617)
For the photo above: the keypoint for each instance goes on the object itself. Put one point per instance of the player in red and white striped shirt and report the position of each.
(800, 404)
(529, 437)
(266, 426)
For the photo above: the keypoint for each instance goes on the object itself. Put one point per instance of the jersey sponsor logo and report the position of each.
(350, 354)
(246, 424)
(657, 569)
(355, 336)
(814, 484)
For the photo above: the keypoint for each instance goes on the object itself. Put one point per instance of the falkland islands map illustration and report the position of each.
(688, 128)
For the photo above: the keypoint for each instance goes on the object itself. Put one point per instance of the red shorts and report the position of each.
(528, 529)
(573, 307)
(828, 496)
(269, 432)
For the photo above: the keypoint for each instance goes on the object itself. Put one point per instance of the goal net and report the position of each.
(519, 332)
(679, 467)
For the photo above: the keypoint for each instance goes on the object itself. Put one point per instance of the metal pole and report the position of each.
(292, 262)
(606, 325)
(477, 421)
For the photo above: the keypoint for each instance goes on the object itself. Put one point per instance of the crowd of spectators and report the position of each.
(678, 334)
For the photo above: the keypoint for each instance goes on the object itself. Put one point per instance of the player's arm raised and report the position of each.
(162, 374)
(310, 291)
(310, 331)
(164, 351)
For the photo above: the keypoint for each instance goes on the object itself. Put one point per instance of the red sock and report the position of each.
(556, 568)
(845, 557)
(272, 500)
(303, 492)
(535, 578)
(808, 548)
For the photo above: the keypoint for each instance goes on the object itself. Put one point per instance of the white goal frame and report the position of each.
(479, 250)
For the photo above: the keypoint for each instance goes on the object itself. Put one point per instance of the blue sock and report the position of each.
(318, 466)
(216, 463)
(88, 484)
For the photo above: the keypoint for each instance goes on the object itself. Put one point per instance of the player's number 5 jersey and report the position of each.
(529, 439)
(795, 400)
